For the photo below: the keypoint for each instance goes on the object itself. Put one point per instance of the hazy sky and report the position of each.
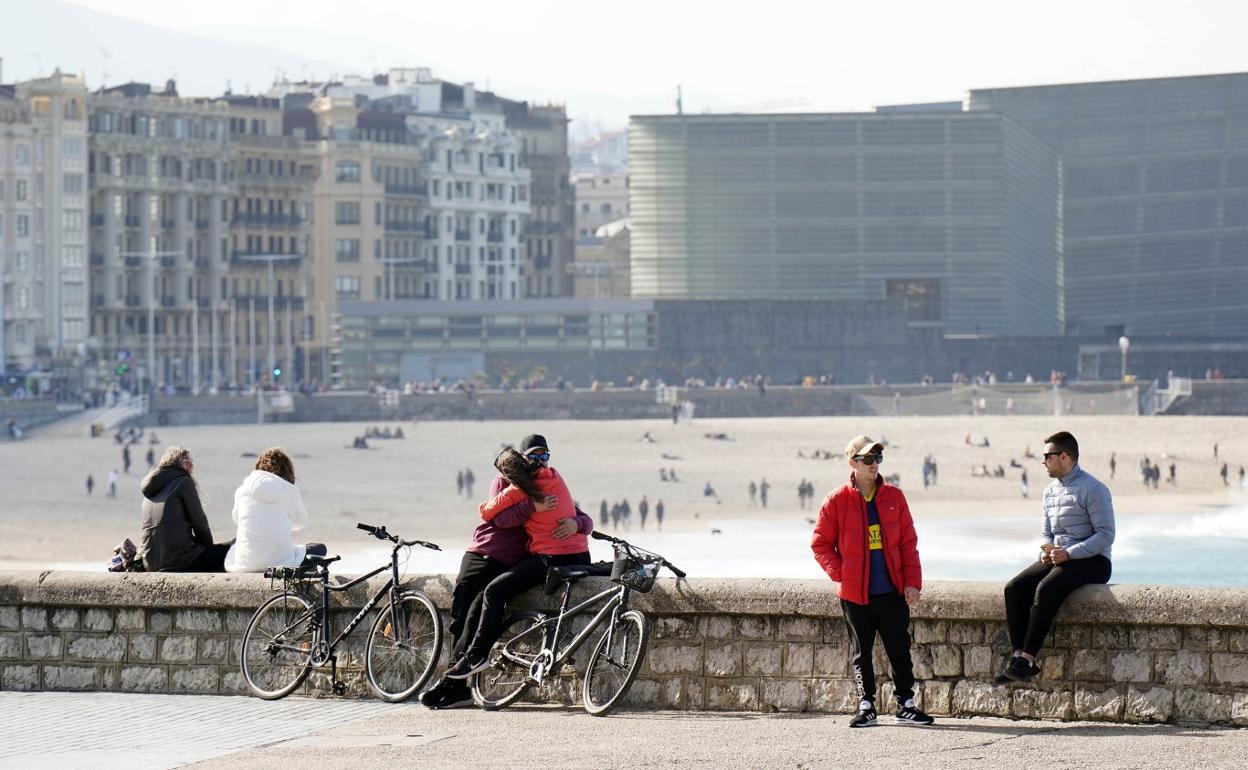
(607, 60)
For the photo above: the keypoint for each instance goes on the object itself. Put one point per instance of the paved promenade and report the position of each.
(71, 730)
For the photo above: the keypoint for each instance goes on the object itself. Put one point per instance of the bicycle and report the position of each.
(529, 649)
(289, 634)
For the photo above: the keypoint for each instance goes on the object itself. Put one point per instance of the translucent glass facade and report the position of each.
(1155, 199)
(956, 213)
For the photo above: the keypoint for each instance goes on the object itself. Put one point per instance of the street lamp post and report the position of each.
(1124, 344)
(4, 333)
(269, 259)
(152, 256)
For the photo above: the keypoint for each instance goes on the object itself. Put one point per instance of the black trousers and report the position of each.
(529, 573)
(476, 571)
(212, 559)
(889, 615)
(1033, 597)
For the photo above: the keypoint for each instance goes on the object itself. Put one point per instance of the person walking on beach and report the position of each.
(762, 492)
(469, 480)
(753, 492)
(1077, 536)
(112, 483)
(459, 483)
(125, 459)
(151, 457)
(1024, 480)
(1170, 479)
(1225, 470)
(1113, 464)
(604, 515)
(658, 514)
(643, 510)
(865, 541)
(175, 533)
(90, 484)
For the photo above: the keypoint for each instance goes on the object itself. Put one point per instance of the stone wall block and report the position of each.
(1111, 637)
(674, 628)
(936, 697)
(980, 661)
(1039, 704)
(1205, 638)
(1182, 667)
(1130, 667)
(1229, 668)
(159, 622)
(1156, 637)
(834, 696)
(732, 695)
(197, 620)
(131, 620)
(110, 647)
(834, 631)
(645, 692)
(236, 620)
(177, 649)
(1106, 705)
(65, 619)
(799, 659)
(723, 660)
(675, 658)
(1237, 640)
(194, 679)
(1053, 665)
(982, 699)
(831, 660)
(1239, 709)
(798, 629)
(786, 694)
(997, 635)
(717, 627)
(1089, 665)
(1155, 704)
(233, 683)
(20, 677)
(10, 619)
(1201, 707)
(946, 660)
(97, 619)
(921, 658)
(10, 646)
(964, 632)
(144, 679)
(35, 618)
(753, 627)
(1069, 635)
(763, 659)
(217, 649)
(56, 677)
(142, 648)
(44, 646)
(928, 631)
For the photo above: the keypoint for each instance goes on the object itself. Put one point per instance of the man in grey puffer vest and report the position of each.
(1078, 533)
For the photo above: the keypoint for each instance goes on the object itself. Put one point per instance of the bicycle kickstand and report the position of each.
(340, 688)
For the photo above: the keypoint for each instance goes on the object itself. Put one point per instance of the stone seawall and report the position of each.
(1117, 653)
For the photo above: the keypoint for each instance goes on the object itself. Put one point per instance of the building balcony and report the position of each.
(463, 235)
(266, 220)
(494, 237)
(405, 227)
(287, 261)
(134, 300)
(400, 189)
(134, 261)
(205, 303)
(242, 302)
(201, 224)
(168, 301)
(132, 221)
(168, 262)
(203, 263)
(463, 268)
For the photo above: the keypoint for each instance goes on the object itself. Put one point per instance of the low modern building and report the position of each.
(957, 215)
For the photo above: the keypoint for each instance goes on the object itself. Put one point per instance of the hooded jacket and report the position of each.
(540, 524)
(840, 540)
(174, 527)
(267, 509)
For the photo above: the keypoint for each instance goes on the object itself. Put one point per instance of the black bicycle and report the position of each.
(290, 634)
(532, 647)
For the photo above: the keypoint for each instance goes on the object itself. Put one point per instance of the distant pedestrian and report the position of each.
(1113, 463)
(604, 514)
(1225, 470)
(626, 513)
(90, 484)
(1241, 475)
(762, 492)
(662, 474)
(125, 459)
(617, 513)
(469, 480)
(151, 457)
(753, 493)
(112, 483)
(643, 510)
(1170, 480)
(675, 412)
(1215, 451)
(459, 483)
(1024, 480)
(671, 474)
(658, 514)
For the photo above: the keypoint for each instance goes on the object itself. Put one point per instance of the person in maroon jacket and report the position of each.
(497, 546)
(865, 541)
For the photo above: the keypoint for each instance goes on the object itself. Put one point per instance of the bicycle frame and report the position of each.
(390, 588)
(616, 598)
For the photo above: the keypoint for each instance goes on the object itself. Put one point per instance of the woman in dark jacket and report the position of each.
(176, 536)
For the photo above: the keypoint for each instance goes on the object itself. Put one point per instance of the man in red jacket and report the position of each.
(865, 541)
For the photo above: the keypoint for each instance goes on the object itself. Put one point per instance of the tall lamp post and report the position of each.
(269, 259)
(151, 256)
(4, 333)
(1124, 344)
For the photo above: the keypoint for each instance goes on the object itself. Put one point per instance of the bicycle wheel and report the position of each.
(277, 646)
(611, 671)
(403, 647)
(517, 647)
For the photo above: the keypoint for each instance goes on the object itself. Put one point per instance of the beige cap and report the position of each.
(862, 445)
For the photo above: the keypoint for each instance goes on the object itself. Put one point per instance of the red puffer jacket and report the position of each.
(840, 540)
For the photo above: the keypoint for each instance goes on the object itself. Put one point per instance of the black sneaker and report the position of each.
(455, 696)
(466, 667)
(911, 715)
(429, 698)
(866, 716)
(1021, 669)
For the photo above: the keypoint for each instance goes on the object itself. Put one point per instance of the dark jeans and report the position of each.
(476, 571)
(889, 615)
(529, 573)
(1034, 595)
(211, 560)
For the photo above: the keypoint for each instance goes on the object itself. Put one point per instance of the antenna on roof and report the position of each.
(680, 104)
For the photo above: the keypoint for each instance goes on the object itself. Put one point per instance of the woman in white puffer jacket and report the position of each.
(267, 509)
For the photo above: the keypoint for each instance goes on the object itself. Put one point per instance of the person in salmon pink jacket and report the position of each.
(865, 541)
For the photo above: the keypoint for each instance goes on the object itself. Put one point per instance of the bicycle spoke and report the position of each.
(403, 647)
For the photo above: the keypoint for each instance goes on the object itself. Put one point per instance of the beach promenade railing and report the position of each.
(1119, 653)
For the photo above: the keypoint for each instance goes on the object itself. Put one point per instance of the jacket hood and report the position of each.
(159, 478)
(265, 487)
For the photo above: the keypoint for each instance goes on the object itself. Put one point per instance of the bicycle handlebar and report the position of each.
(677, 571)
(381, 534)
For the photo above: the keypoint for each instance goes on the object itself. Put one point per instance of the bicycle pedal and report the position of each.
(339, 688)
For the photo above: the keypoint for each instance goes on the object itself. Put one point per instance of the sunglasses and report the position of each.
(1047, 455)
(543, 456)
(869, 459)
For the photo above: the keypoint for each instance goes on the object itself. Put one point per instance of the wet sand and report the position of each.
(46, 517)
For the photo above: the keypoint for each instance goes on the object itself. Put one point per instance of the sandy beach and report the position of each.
(48, 520)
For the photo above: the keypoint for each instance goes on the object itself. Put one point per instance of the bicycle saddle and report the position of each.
(314, 559)
(571, 573)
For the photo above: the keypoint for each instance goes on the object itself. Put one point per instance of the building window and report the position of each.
(20, 190)
(920, 298)
(23, 225)
(347, 171)
(347, 213)
(347, 286)
(347, 249)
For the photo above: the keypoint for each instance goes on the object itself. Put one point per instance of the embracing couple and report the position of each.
(529, 523)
